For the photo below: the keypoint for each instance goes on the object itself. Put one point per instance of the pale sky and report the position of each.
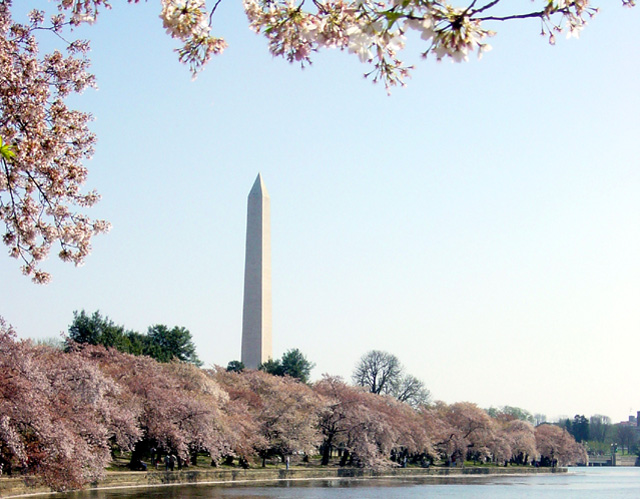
(482, 224)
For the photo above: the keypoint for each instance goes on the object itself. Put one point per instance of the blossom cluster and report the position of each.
(188, 21)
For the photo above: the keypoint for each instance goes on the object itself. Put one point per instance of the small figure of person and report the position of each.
(166, 462)
(172, 462)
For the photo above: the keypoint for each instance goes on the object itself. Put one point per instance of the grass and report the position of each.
(121, 463)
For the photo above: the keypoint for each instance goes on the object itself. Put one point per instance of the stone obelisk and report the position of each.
(256, 312)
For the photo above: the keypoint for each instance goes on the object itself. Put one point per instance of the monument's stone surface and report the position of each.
(256, 314)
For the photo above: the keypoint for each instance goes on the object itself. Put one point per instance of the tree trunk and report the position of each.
(139, 451)
(326, 451)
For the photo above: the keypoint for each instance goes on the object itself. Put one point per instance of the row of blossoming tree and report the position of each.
(44, 144)
(64, 414)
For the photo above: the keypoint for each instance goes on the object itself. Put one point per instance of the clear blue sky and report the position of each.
(481, 224)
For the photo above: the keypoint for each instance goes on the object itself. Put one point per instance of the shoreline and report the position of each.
(23, 487)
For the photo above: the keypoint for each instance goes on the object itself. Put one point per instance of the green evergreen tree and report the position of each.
(167, 344)
(296, 365)
(98, 330)
(272, 367)
(293, 363)
(235, 366)
(160, 342)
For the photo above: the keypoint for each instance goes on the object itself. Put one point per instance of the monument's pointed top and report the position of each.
(258, 187)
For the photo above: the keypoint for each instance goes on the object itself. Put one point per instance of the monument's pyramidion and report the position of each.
(256, 313)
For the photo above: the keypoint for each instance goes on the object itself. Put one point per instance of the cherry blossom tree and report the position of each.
(348, 423)
(557, 447)
(284, 411)
(58, 413)
(368, 428)
(406, 437)
(448, 442)
(473, 432)
(87, 410)
(178, 405)
(339, 414)
(522, 441)
(23, 401)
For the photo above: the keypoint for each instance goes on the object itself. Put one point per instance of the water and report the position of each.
(578, 483)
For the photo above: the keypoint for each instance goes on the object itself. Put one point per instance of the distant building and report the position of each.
(633, 421)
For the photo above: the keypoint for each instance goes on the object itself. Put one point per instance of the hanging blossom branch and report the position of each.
(375, 30)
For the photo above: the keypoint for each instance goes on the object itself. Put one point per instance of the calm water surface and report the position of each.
(578, 483)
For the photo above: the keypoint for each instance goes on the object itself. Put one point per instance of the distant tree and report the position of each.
(88, 329)
(271, 366)
(293, 363)
(296, 365)
(580, 428)
(599, 427)
(538, 419)
(99, 330)
(167, 344)
(411, 390)
(53, 342)
(137, 343)
(509, 413)
(382, 373)
(627, 437)
(235, 366)
(160, 342)
(377, 371)
(567, 424)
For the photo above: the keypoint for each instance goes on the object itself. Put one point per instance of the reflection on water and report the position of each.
(578, 483)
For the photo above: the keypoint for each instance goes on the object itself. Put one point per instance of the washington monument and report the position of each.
(256, 312)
